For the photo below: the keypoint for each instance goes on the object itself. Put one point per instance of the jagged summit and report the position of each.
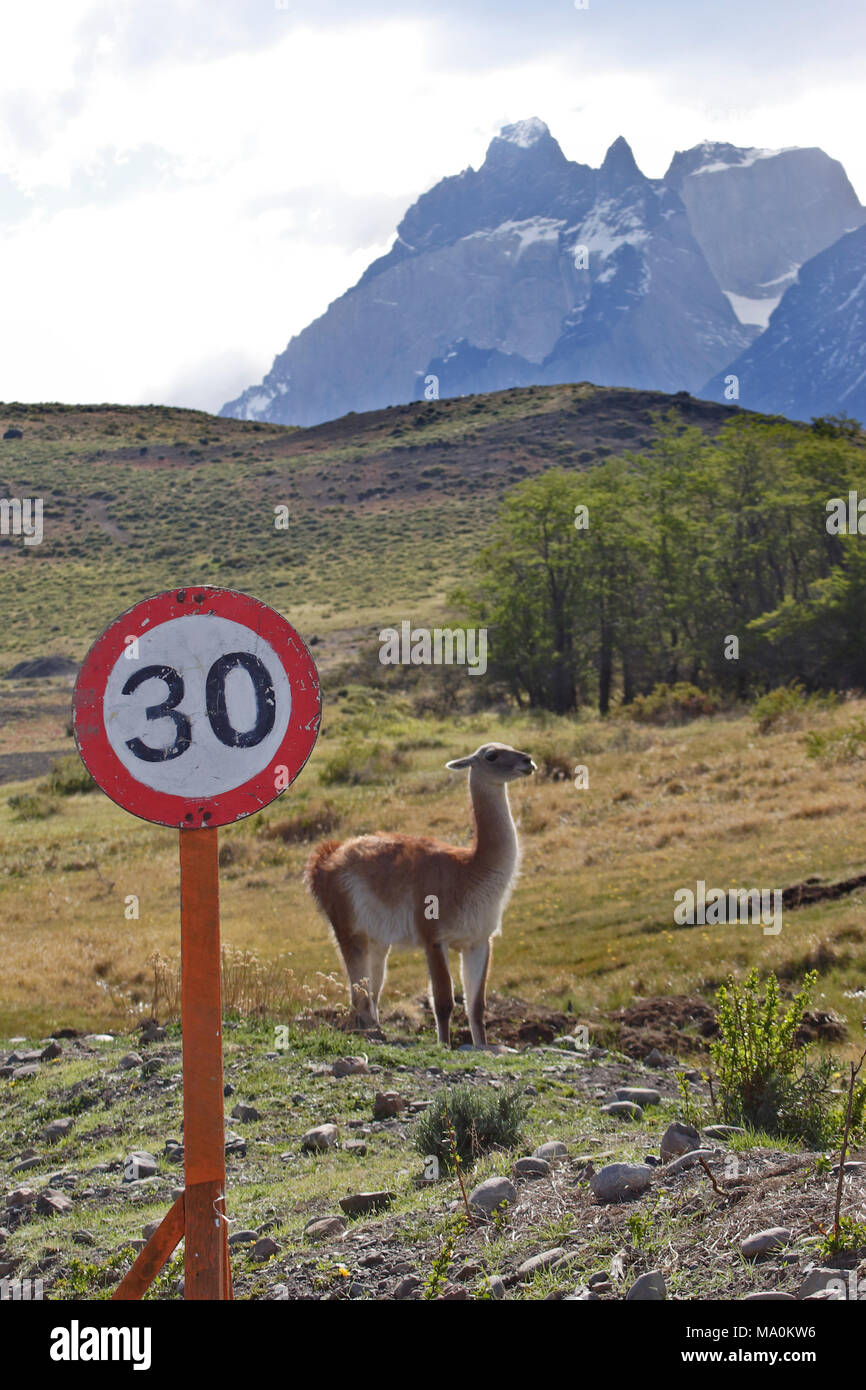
(620, 159)
(619, 169)
(525, 133)
(713, 156)
(527, 143)
(759, 214)
(524, 175)
(535, 269)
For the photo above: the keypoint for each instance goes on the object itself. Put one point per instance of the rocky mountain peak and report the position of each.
(759, 214)
(526, 144)
(526, 133)
(619, 166)
(533, 268)
(711, 156)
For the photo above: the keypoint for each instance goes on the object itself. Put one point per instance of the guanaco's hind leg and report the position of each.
(475, 964)
(378, 961)
(441, 990)
(355, 950)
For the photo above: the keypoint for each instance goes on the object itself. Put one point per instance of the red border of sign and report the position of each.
(161, 807)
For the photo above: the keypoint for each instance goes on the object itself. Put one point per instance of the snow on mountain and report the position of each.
(758, 214)
(812, 358)
(530, 267)
(534, 268)
(756, 311)
(524, 133)
(710, 157)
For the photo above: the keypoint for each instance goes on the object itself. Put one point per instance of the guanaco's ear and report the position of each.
(457, 763)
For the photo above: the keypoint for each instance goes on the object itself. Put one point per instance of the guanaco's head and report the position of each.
(496, 762)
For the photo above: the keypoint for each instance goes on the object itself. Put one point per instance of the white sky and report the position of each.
(184, 184)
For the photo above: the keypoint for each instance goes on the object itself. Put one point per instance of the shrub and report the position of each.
(233, 852)
(27, 806)
(836, 426)
(787, 705)
(691, 1109)
(766, 1081)
(310, 823)
(69, 777)
(779, 706)
(670, 704)
(849, 1236)
(481, 1120)
(357, 765)
(837, 745)
(554, 763)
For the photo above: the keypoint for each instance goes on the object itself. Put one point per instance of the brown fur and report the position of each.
(383, 864)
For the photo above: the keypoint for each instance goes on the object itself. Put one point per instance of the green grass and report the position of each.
(591, 920)
(681, 1226)
(263, 1186)
(590, 924)
(386, 509)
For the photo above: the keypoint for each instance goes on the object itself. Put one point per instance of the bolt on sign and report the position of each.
(195, 709)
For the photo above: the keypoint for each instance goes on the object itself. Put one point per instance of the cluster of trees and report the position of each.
(695, 542)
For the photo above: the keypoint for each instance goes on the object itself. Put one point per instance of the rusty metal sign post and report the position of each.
(195, 709)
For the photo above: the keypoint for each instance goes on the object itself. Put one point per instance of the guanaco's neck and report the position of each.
(495, 848)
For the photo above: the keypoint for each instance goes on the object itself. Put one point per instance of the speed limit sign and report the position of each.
(197, 707)
(194, 709)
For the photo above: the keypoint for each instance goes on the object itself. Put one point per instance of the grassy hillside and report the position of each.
(386, 512)
(591, 921)
(385, 508)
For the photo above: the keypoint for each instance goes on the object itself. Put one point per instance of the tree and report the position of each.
(685, 544)
(528, 594)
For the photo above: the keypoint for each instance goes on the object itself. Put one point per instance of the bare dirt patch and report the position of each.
(670, 1023)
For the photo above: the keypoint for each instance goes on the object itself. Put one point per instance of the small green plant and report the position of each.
(166, 1284)
(327, 1274)
(756, 1051)
(853, 1117)
(690, 1109)
(84, 1279)
(846, 1236)
(457, 1163)
(640, 1228)
(465, 1122)
(438, 1276)
(765, 1079)
(499, 1217)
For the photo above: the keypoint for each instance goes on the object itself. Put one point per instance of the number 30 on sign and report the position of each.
(197, 707)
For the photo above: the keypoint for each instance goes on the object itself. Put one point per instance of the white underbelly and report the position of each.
(393, 923)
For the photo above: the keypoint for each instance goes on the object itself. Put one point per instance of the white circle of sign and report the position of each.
(202, 706)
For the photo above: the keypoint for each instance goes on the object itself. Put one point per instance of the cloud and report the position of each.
(110, 176)
(184, 184)
(207, 384)
(327, 213)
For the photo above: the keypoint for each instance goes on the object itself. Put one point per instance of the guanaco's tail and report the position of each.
(316, 873)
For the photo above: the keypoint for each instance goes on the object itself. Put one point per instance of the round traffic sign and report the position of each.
(196, 707)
